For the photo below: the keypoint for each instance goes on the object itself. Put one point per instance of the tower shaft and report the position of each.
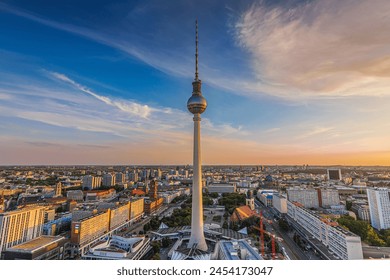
(197, 233)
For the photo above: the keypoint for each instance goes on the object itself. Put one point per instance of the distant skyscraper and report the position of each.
(197, 105)
(90, 182)
(119, 177)
(379, 203)
(108, 180)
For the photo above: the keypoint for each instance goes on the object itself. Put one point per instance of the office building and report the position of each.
(222, 188)
(342, 243)
(328, 197)
(307, 197)
(76, 195)
(20, 226)
(379, 204)
(279, 202)
(40, 248)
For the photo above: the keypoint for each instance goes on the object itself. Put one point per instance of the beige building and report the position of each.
(119, 215)
(20, 226)
(136, 208)
(90, 228)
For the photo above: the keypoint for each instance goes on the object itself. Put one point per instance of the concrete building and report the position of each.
(334, 174)
(119, 248)
(119, 215)
(151, 206)
(222, 188)
(76, 195)
(328, 197)
(50, 214)
(362, 211)
(279, 202)
(344, 244)
(108, 180)
(379, 204)
(237, 250)
(20, 226)
(307, 197)
(99, 194)
(170, 195)
(90, 182)
(90, 228)
(40, 248)
(136, 208)
(266, 197)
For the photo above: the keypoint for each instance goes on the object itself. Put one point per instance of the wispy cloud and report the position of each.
(319, 48)
(132, 108)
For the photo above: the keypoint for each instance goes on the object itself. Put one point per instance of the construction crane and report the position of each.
(273, 237)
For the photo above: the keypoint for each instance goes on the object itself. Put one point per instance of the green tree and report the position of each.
(283, 224)
(156, 245)
(166, 242)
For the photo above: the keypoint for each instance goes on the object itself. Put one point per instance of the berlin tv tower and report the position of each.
(197, 105)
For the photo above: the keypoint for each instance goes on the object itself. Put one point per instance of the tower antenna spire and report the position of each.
(196, 50)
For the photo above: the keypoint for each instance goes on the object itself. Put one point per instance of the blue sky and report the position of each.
(106, 82)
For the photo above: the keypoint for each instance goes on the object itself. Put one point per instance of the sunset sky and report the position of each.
(106, 82)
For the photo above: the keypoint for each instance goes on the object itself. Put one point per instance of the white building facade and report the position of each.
(379, 204)
(344, 244)
(307, 197)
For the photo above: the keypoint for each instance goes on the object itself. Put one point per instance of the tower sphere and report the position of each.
(196, 104)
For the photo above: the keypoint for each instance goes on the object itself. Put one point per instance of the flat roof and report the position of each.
(36, 244)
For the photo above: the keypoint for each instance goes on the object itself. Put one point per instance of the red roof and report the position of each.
(242, 213)
(137, 192)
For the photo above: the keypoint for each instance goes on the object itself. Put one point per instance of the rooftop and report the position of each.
(36, 244)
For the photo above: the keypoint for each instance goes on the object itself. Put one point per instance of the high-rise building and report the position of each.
(119, 178)
(108, 180)
(379, 203)
(197, 104)
(20, 226)
(133, 176)
(90, 182)
(58, 189)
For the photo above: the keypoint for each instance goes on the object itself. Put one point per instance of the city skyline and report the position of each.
(289, 82)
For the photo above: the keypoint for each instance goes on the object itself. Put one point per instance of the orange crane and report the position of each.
(273, 237)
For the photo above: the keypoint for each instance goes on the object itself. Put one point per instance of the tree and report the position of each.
(156, 245)
(283, 224)
(166, 242)
(348, 205)
(363, 229)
